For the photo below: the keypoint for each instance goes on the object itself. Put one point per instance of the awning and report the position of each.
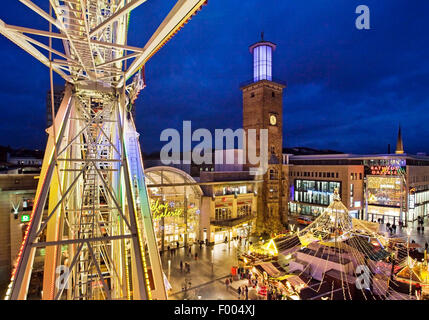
(270, 269)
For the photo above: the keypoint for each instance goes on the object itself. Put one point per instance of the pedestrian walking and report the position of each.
(190, 251)
(239, 292)
(196, 256)
(177, 244)
(181, 265)
(227, 283)
(246, 292)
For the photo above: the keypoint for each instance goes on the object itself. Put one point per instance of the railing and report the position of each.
(232, 222)
(220, 193)
(246, 83)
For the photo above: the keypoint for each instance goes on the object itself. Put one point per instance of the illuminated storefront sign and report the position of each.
(385, 191)
(161, 210)
(25, 218)
(387, 170)
(382, 167)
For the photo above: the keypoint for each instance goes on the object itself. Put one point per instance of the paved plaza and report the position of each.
(206, 280)
(418, 236)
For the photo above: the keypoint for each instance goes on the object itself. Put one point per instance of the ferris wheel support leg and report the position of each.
(22, 274)
(55, 225)
(141, 285)
(157, 272)
(146, 218)
(51, 252)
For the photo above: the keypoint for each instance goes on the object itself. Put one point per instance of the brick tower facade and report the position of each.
(263, 109)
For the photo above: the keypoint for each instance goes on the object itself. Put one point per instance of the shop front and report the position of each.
(384, 195)
(233, 218)
(175, 205)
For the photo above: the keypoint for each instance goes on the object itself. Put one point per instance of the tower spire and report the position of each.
(399, 144)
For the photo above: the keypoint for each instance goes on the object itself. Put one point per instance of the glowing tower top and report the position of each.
(262, 59)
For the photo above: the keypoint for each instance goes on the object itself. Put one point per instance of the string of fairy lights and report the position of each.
(334, 233)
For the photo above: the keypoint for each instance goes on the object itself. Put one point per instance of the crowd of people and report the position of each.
(392, 227)
(256, 287)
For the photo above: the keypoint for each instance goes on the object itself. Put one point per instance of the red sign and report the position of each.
(386, 170)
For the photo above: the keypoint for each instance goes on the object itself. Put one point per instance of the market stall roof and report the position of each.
(295, 281)
(285, 243)
(405, 274)
(323, 290)
(366, 248)
(270, 269)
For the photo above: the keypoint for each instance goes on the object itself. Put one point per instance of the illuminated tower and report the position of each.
(263, 110)
(262, 59)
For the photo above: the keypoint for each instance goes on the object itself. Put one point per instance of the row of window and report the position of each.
(314, 197)
(223, 213)
(316, 192)
(25, 162)
(314, 185)
(313, 174)
(232, 190)
(356, 176)
(415, 179)
(303, 209)
(422, 197)
(244, 210)
(353, 175)
(226, 213)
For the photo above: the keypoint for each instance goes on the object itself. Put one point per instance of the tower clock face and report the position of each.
(273, 120)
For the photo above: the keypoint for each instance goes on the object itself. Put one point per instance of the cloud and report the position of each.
(347, 89)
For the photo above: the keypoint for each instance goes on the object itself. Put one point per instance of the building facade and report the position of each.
(229, 205)
(390, 187)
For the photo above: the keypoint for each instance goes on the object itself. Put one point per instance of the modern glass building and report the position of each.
(175, 203)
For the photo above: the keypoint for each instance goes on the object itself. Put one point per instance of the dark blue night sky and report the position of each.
(348, 89)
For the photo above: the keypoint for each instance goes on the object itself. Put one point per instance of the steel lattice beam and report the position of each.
(98, 228)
